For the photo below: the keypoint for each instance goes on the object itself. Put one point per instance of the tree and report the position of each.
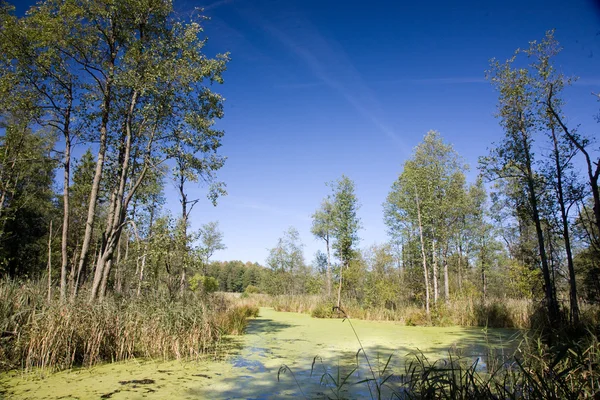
(322, 228)
(513, 157)
(423, 201)
(211, 239)
(165, 101)
(549, 84)
(345, 224)
(286, 261)
(481, 233)
(26, 174)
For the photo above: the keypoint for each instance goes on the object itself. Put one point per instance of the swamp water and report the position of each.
(249, 369)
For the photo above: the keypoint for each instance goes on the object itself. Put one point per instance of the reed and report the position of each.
(495, 313)
(37, 334)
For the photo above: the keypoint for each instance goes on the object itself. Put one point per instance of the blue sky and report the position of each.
(317, 89)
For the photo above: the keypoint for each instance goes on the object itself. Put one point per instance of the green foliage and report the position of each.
(208, 284)
(26, 198)
(286, 261)
(324, 309)
(251, 289)
(345, 220)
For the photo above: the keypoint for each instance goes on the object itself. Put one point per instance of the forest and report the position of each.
(86, 235)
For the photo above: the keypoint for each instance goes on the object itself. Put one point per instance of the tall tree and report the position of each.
(345, 225)
(513, 157)
(423, 199)
(211, 238)
(286, 261)
(164, 103)
(568, 191)
(322, 228)
(36, 47)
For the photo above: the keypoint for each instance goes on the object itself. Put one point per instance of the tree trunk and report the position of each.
(89, 224)
(328, 267)
(65, 227)
(446, 282)
(460, 256)
(553, 312)
(118, 269)
(119, 205)
(183, 243)
(105, 275)
(566, 236)
(50, 263)
(425, 272)
(483, 281)
(339, 297)
(435, 272)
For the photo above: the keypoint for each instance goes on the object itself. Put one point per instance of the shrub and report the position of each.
(251, 289)
(324, 310)
(207, 283)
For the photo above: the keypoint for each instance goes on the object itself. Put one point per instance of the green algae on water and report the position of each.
(250, 369)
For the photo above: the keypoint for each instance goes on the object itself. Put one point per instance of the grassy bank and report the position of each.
(495, 313)
(35, 333)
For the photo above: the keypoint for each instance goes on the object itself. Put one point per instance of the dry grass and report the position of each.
(496, 313)
(59, 336)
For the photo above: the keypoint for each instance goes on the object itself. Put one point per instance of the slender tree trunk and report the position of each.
(566, 236)
(328, 267)
(101, 260)
(119, 204)
(339, 297)
(105, 274)
(141, 279)
(548, 283)
(446, 282)
(118, 268)
(425, 272)
(484, 281)
(89, 224)
(50, 263)
(146, 243)
(460, 256)
(435, 272)
(183, 243)
(65, 227)
(73, 270)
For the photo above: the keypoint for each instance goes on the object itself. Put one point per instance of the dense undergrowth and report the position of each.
(38, 334)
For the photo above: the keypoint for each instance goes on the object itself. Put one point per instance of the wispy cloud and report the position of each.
(215, 4)
(437, 81)
(251, 204)
(329, 63)
(407, 81)
(587, 82)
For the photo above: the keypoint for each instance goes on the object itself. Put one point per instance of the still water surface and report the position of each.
(249, 369)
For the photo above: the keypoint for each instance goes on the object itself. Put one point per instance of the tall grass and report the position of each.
(58, 335)
(495, 313)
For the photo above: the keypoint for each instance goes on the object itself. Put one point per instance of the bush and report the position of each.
(251, 289)
(207, 283)
(324, 310)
